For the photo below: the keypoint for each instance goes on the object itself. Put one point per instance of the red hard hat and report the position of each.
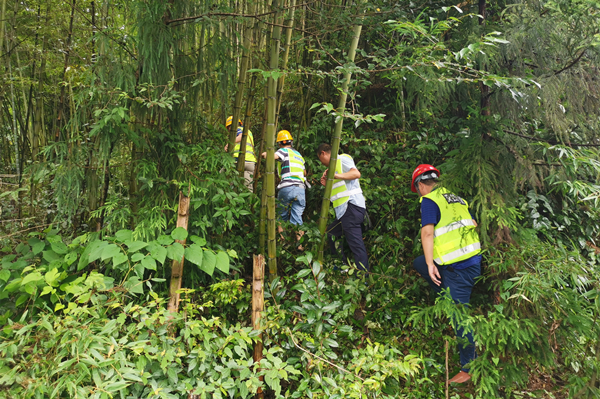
(419, 171)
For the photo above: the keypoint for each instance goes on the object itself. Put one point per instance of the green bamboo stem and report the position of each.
(248, 49)
(240, 88)
(335, 143)
(270, 144)
(289, 23)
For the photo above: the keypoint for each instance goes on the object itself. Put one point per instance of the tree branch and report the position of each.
(575, 61)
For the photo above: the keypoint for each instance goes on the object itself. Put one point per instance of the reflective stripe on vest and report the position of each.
(454, 237)
(249, 148)
(339, 192)
(292, 168)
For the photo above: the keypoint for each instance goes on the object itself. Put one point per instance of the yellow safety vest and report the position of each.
(249, 149)
(292, 168)
(454, 237)
(339, 192)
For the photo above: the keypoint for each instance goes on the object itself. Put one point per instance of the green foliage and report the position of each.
(46, 273)
(117, 350)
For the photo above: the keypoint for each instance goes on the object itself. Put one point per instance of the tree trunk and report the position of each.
(177, 265)
(258, 305)
(335, 143)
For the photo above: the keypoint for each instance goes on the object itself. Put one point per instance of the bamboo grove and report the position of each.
(113, 116)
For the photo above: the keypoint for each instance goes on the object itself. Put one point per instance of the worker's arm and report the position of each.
(264, 155)
(238, 138)
(349, 175)
(427, 241)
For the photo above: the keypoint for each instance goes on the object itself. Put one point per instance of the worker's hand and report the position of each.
(264, 154)
(324, 177)
(226, 147)
(434, 274)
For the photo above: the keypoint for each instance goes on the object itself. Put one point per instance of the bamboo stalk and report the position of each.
(270, 143)
(248, 49)
(177, 265)
(258, 305)
(288, 38)
(240, 88)
(447, 370)
(335, 143)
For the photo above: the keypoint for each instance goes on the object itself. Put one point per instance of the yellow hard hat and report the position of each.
(230, 119)
(284, 135)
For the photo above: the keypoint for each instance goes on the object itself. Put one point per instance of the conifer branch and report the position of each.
(553, 142)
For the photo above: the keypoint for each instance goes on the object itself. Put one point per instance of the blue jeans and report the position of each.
(460, 283)
(291, 202)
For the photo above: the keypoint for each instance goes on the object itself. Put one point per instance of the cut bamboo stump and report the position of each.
(258, 305)
(177, 265)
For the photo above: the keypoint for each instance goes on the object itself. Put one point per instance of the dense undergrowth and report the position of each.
(86, 317)
(89, 199)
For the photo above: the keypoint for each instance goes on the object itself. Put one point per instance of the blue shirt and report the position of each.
(430, 214)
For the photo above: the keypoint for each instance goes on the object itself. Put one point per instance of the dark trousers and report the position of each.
(350, 226)
(460, 283)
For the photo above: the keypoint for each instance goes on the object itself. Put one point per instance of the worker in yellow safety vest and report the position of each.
(349, 205)
(291, 198)
(250, 164)
(451, 249)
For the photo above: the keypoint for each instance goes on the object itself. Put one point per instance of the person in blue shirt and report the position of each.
(451, 247)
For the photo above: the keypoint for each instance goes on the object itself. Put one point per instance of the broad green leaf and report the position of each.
(208, 262)
(134, 285)
(159, 253)
(149, 263)
(124, 235)
(32, 277)
(179, 234)
(37, 245)
(59, 247)
(134, 246)
(164, 240)
(50, 255)
(175, 251)
(198, 240)
(137, 257)
(96, 248)
(4, 275)
(70, 258)
(21, 300)
(119, 259)
(51, 277)
(193, 253)
(222, 262)
(109, 251)
(139, 270)
(13, 285)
